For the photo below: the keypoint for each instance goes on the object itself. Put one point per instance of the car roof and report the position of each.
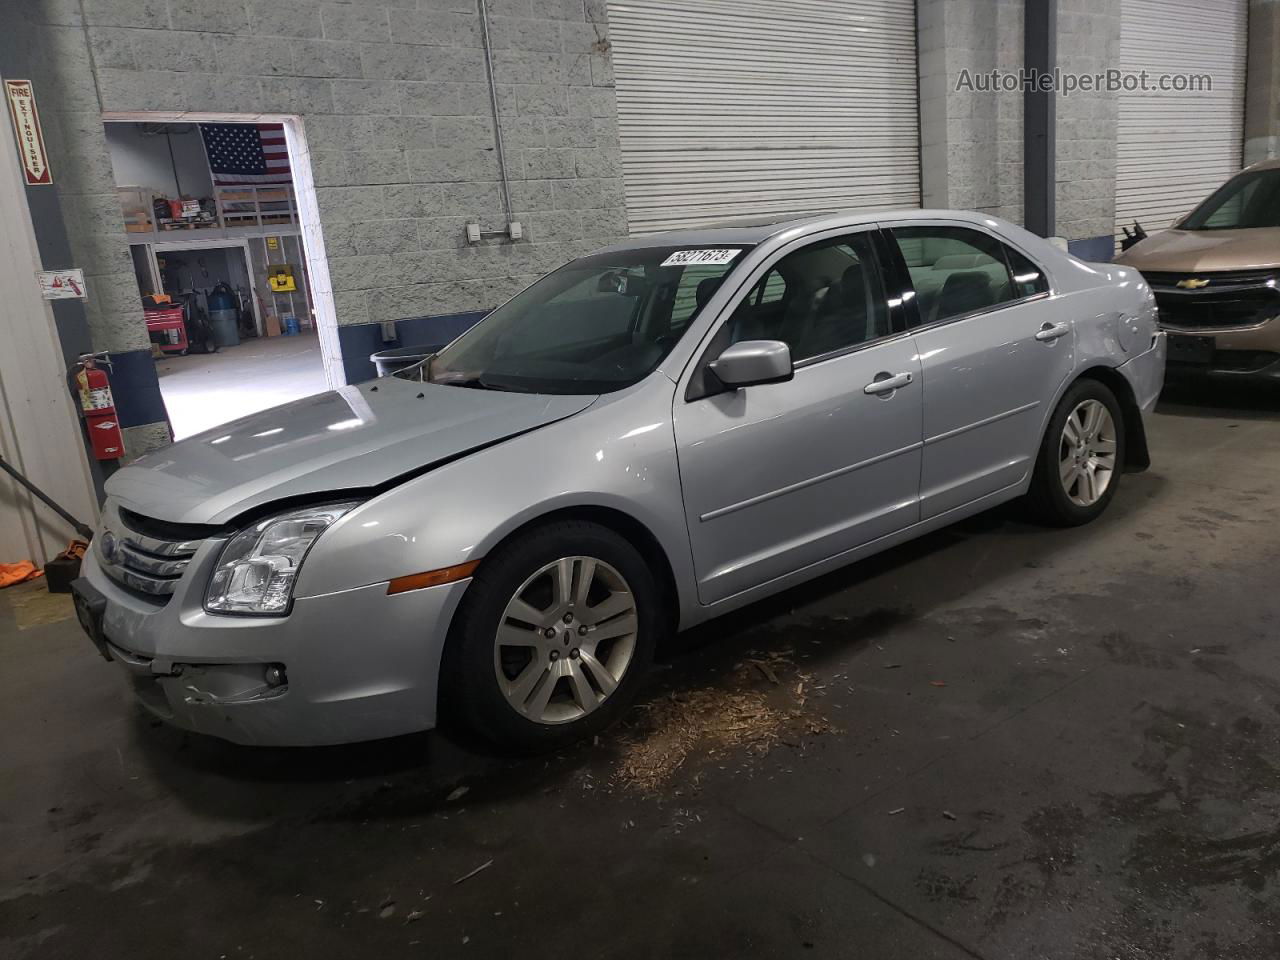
(750, 232)
(745, 230)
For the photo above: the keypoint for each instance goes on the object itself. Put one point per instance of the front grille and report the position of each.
(1229, 299)
(149, 556)
(1217, 278)
(164, 529)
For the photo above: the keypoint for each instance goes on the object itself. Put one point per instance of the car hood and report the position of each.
(353, 438)
(1192, 251)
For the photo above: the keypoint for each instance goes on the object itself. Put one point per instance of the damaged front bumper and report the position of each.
(341, 667)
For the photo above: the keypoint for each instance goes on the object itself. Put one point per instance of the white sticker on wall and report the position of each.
(685, 258)
(61, 284)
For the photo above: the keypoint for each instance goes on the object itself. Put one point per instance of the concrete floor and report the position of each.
(202, 391)
(1001, 741)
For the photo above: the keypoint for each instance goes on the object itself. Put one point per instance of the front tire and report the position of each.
(553, 637)
(1081, 456)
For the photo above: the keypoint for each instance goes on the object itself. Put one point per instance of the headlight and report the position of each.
(256, 570)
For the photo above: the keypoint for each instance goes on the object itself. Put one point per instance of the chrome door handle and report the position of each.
(887, 383)
(1052, 331)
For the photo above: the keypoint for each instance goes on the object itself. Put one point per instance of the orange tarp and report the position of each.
(11, 573)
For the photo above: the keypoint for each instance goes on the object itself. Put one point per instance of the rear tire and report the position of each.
(553, 638)
(1081, 456)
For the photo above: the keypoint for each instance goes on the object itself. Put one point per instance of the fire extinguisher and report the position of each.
(99, 408)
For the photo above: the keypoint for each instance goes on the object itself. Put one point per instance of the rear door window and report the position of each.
(958, 271)
(1028, 279)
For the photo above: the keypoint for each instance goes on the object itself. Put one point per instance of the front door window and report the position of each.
(819, 300)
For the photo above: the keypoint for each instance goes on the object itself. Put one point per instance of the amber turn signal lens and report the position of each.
(432, 578)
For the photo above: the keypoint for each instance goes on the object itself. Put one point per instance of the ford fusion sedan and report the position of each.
(1216, 278)
(646, 438)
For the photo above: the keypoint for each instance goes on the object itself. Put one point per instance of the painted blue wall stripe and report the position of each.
(136, 388)
(359, 340)
(1094, 249)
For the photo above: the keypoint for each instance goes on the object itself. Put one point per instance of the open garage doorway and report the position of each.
(222, 225)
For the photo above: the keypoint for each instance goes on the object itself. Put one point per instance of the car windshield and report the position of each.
(1248, 201)
(596, 325)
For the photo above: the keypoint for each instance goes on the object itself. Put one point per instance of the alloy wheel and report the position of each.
(1087, 453)
(565, 640)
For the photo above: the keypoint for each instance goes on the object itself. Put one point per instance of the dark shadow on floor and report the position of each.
(1229, 401)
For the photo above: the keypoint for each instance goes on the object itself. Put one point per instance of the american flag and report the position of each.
(246, 153)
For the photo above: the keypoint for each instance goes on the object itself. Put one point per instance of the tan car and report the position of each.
(1216, 277)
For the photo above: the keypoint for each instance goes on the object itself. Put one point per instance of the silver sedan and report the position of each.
(648, 437)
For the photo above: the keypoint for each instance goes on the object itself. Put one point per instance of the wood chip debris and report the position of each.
(709, 723)
(948, 814)
(467, 876)
(766, 671)
(897, 810)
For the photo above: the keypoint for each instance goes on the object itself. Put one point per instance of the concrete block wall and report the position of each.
(77, 220)
(394, 208)
(396, 106)
(972, 147)
(1262, 91)
(1088, 43)
(971, 141)
(66, 91)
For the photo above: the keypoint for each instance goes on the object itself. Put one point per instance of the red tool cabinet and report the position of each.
(168, 328)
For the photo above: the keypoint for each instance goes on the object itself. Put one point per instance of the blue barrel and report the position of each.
(221, 297)
(224, 318)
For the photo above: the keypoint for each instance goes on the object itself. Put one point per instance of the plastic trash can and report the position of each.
(223, 316)
(388, 362)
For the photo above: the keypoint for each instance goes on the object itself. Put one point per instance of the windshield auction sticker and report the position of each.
(685, 258)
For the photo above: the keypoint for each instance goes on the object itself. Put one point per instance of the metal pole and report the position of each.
(1039, 117)
(173, 163)
(76, 525)
(497, 113)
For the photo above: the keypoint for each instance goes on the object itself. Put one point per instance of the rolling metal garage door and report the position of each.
(1175, 148)
(731, 108)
